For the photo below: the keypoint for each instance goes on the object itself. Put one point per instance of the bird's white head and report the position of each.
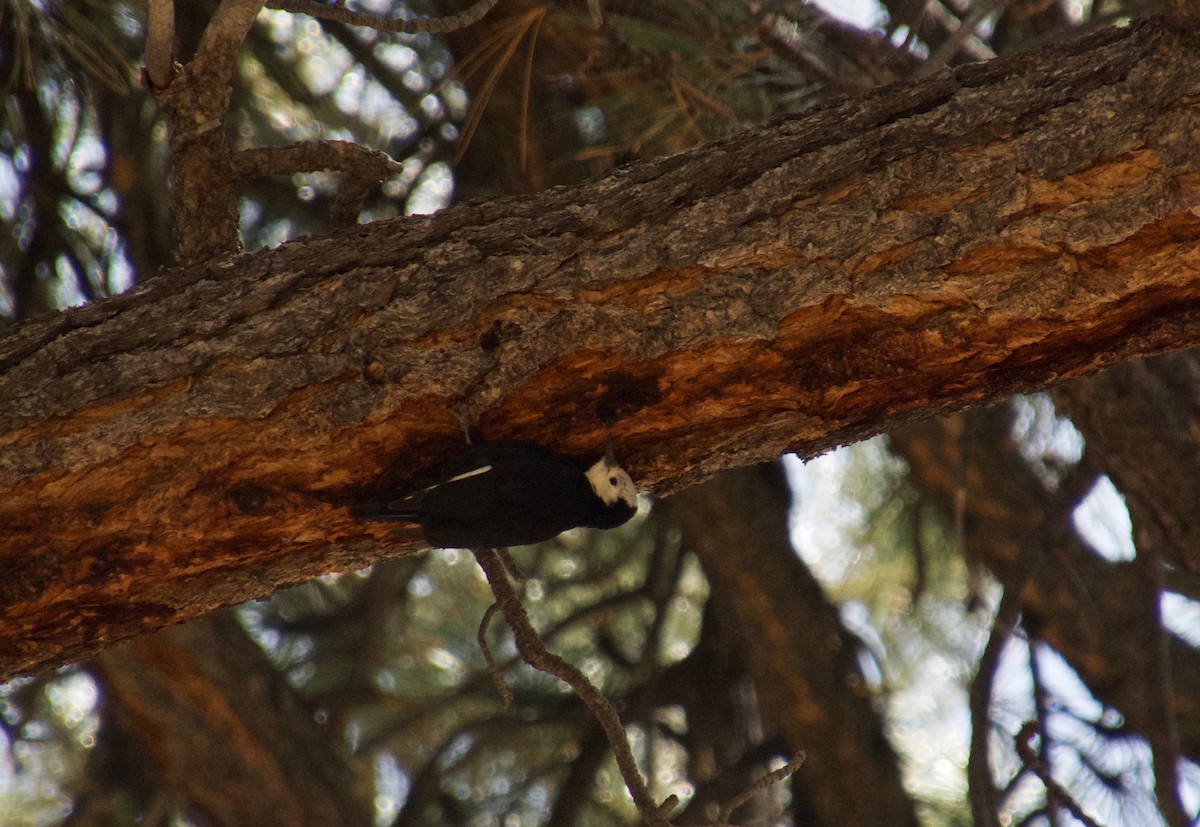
(610, 482)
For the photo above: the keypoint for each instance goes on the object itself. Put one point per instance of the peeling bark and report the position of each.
(193, 443)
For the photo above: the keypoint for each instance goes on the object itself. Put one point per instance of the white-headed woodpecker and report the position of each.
(514, 494)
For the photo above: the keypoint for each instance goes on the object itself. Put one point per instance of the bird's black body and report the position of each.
(514, 493)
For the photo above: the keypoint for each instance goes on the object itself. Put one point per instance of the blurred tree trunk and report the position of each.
(1142, 419)
(194, 442)
(219, 725)
(810, 690)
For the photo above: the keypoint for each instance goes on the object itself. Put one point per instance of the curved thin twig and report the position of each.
(773, 777)
(534, 653)
(493, 667)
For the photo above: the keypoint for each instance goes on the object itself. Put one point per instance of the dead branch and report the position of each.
(362, 168)
(773, 777)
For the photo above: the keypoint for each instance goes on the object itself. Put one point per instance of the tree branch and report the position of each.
(196, 441)
(361, 168)
(196, 104)
(216, 56)
(1163, 734)
(809, 686)
(493, 668)
(773, 777)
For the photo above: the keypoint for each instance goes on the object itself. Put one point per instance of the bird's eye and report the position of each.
(612, 481)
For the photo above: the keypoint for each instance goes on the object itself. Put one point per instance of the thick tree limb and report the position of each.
(193, 443)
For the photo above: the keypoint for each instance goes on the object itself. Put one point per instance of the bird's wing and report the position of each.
(514, 502)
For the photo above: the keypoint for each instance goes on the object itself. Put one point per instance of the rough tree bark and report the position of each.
(193, 443)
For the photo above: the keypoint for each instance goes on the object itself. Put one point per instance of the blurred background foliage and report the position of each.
(838, 608)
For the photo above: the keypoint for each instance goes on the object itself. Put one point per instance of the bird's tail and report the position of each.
(392, 511)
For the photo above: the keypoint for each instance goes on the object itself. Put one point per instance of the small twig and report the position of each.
(773, 777)
(493, 668)
(1163, 732)
(432, 25)
(361, 167)
(949, 48)
(534, 653)
(1054, 790)
(308, 156)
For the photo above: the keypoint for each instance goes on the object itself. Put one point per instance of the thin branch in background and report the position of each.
(660, 587)
(982, 792)
(1054, 791)
(493, 668)
(1163, 733)
(534, 653)
(1041, 708)
(380, 599)
(948, 49)
(773, 777)
(430, 25)
(308, 156)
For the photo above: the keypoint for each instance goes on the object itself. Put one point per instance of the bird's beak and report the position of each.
(610, 453)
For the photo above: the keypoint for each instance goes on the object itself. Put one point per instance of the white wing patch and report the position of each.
(483, 469)
(474, 472)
